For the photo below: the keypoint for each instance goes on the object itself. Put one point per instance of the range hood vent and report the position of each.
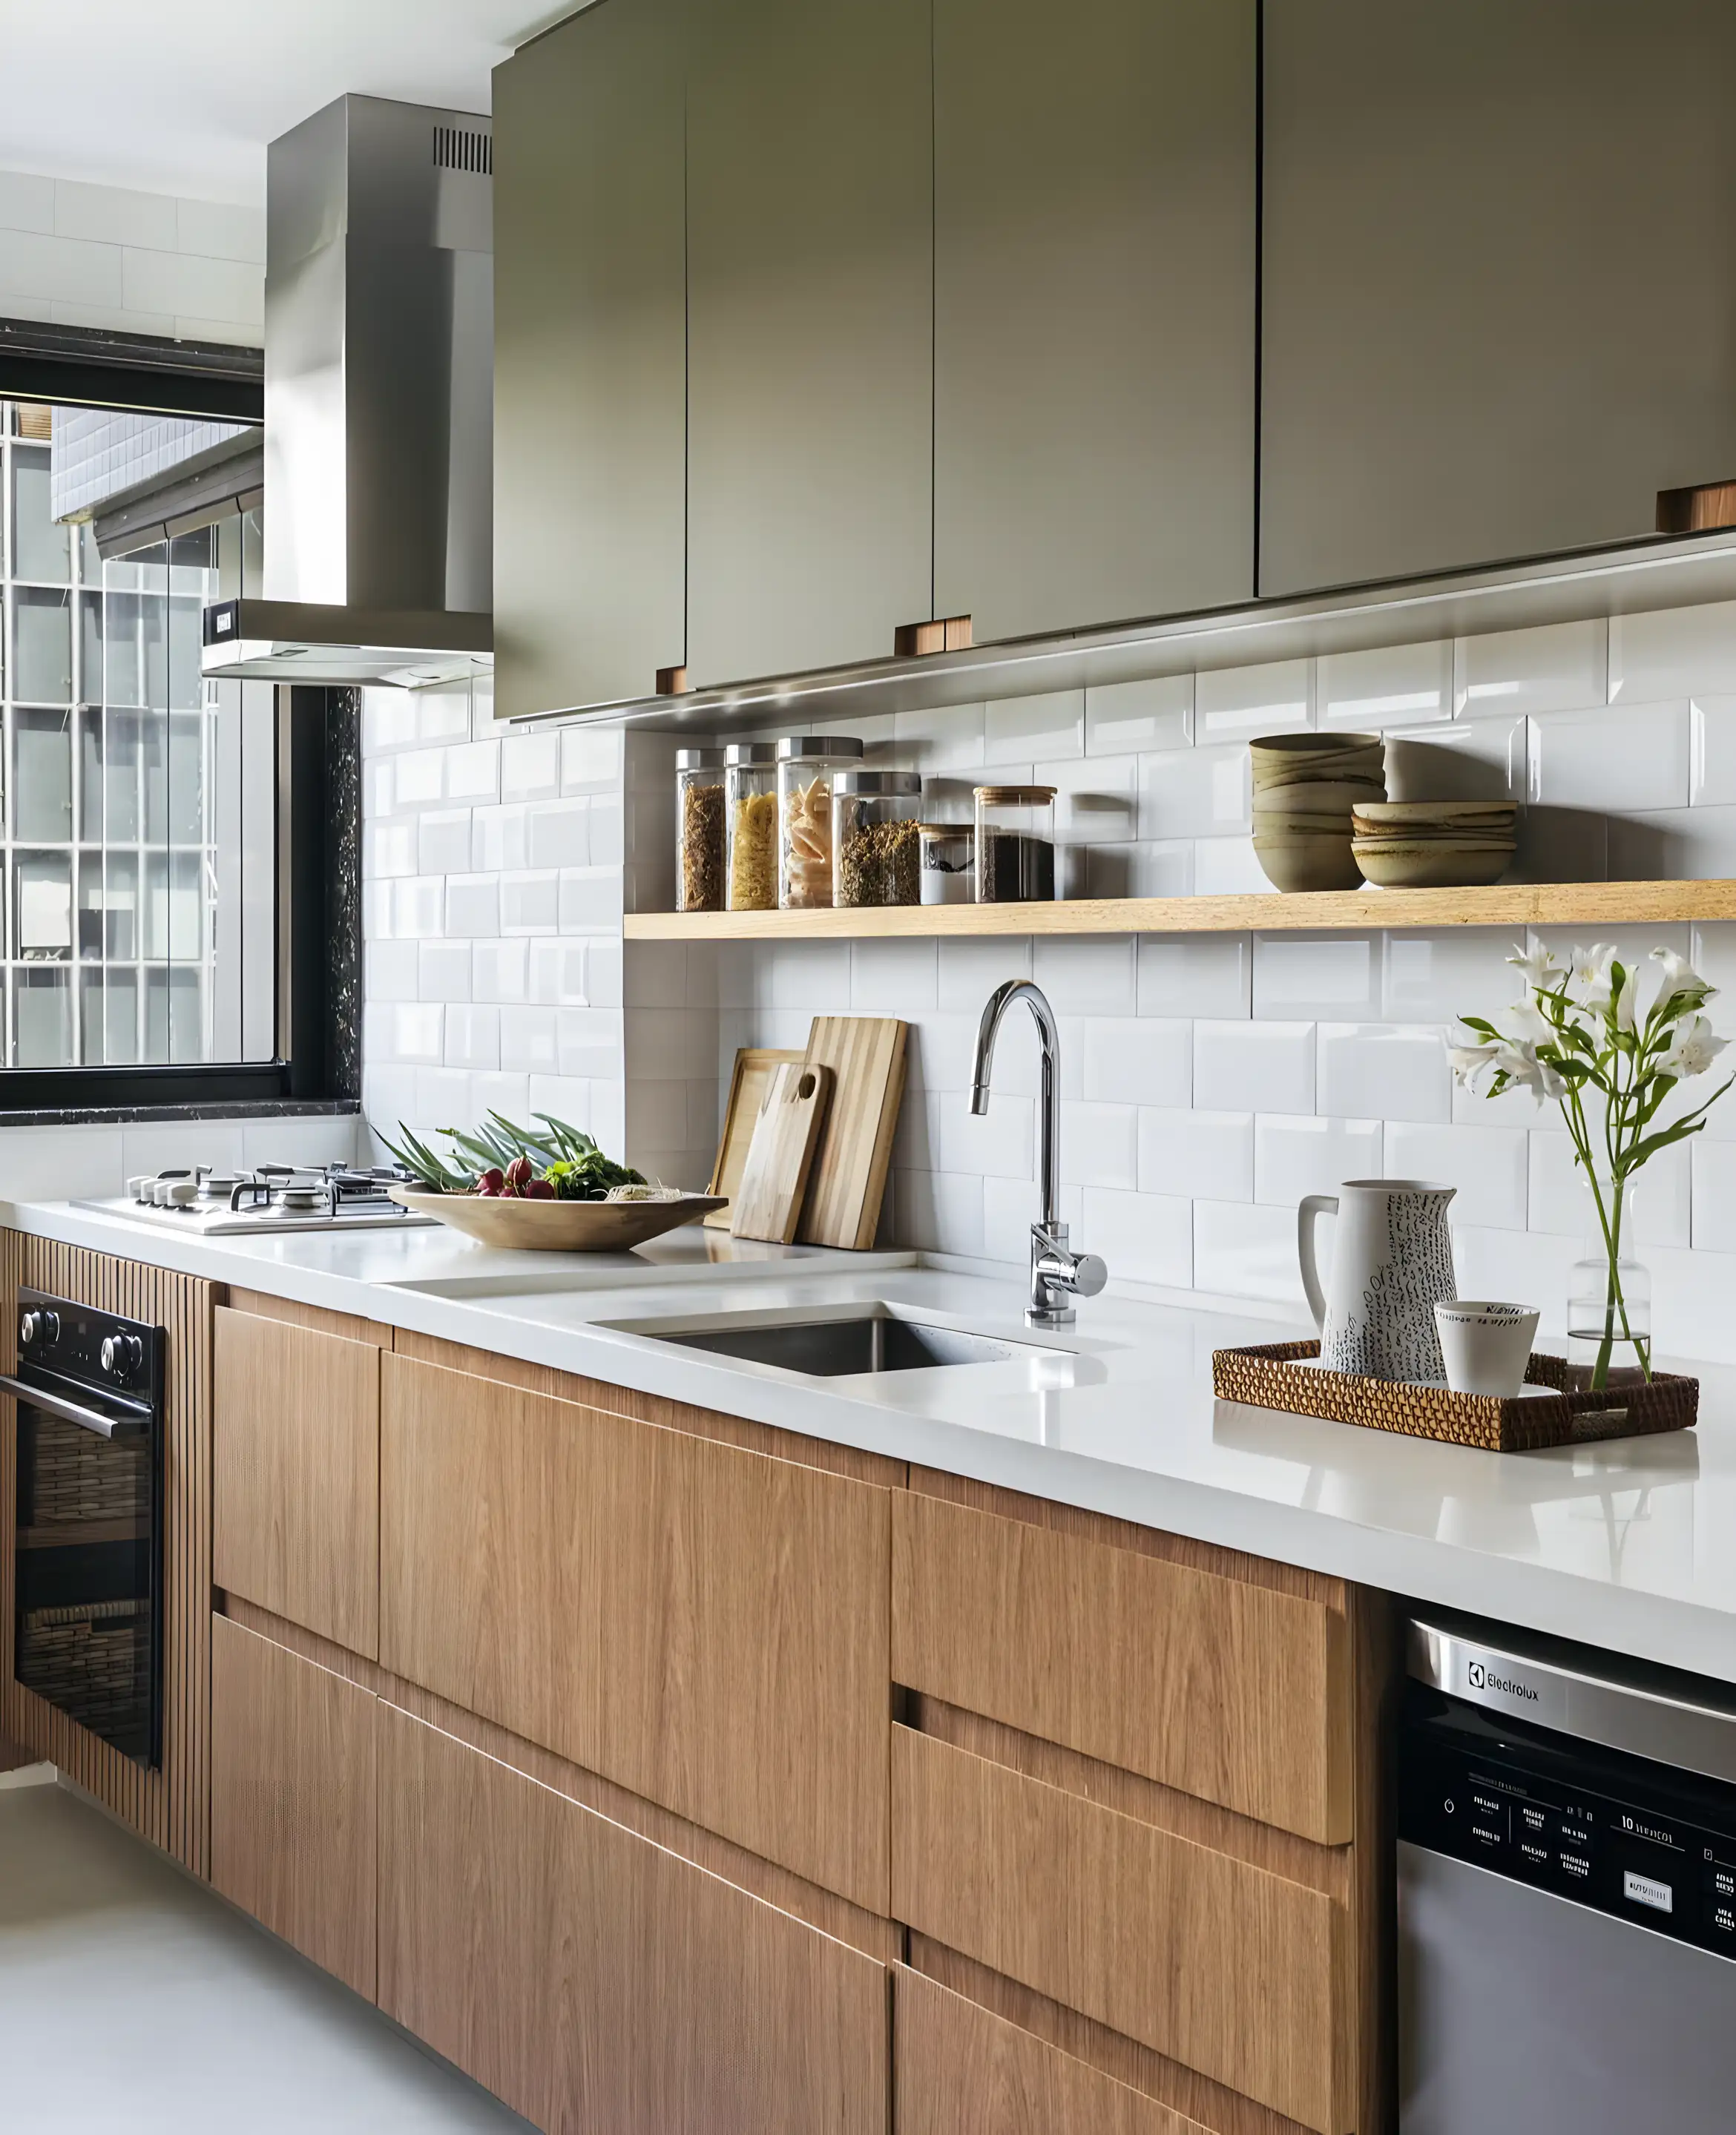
(379, 405)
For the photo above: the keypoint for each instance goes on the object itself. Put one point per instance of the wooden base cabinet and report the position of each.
(593, 1980)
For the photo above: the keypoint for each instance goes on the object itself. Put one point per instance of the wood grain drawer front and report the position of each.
(294, 1799)
(594, 1981)
(960, 2070)
(704, 1625)
(1228, 1691)
(296, 1428)
(1226, 1967)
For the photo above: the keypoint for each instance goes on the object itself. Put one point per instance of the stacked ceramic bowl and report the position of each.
(1306, 788)
(1434, 844)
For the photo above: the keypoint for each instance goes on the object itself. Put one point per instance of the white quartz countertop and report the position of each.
(1630, 1546)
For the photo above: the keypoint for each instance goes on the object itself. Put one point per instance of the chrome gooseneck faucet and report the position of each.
(1057, 1275)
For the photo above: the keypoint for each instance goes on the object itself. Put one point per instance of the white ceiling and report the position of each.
(180, 96)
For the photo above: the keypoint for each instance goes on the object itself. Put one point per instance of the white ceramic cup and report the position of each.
(1484, 1346)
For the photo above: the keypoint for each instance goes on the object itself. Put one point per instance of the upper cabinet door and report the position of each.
(590, 360)
(1095, 375)
(1500, 303)
(811, 411)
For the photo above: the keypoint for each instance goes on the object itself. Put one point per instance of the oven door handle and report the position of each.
(87, 1419)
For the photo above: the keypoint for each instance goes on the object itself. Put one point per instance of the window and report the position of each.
(137, 801)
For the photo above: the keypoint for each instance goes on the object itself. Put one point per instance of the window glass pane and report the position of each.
(42, 907)
(123, 766)
(41, 550)
(120, 1016)
(42, 664)
(41, 1019)
(90, 930)
(91, 773)
(121, 940)
(91, 648)
(41, 787)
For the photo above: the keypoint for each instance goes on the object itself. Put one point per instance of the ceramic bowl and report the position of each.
(1390, 864)
(1307, 862)
(1316, 797)
(1285, 759)
(1398, 815)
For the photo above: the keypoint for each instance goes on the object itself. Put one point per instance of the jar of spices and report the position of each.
(874, 837)
(1015, 844)
(750, 811)
(806, 765)
(699, 830)
(946, 862)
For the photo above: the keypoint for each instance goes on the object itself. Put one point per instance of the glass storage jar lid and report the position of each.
(795, 748)
(879, 785)
(753, 754)
(699, 759)
(1016, 796)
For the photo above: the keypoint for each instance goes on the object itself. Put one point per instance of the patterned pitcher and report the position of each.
(1392, 1264)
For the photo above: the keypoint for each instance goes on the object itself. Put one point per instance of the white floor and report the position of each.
(133, 1999)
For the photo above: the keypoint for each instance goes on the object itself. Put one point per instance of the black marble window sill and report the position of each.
(128, 1115)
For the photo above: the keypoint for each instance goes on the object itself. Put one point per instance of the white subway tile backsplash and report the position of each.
(1242, 1249)
(1255, 1066)
(1397, 685)
(499, 970)
(1298, 977)
(1679, 845)
(942, 1212)
(391, 848)
(472, 1035)
(1139, 716)
(528, 1040)
(591, 759)
(1196, 793)
(1713, 1167)
(1473, 759)
(390, 970)
(474, 904)
(1562, 666)
(1145, 1237)
(893, 978)
(530, 766)
(1097, 799)
(1673, 652)
(1028, 729)
(1488, 1166)
(555, 972)
(1086, 975)
(590, 1044)
(559, 834)
(970, 969)
(1624, 758)
(588, 900)
(1250, 701)
(444, 970)
(1100, 1145)
(999, 1144)
(1148, 869)
(405, 1033)
(1196, 1155)
(1292, 1157)
(1712, 781)
(1194, 975)
(1228, 867)
(443, 841)
(419, 779)
(811, 975)
(530, 901)
(1384, 1071)
(500, 839)
(472, 772)
(1435, 977)
(1525, 1267)
(1133, 1060)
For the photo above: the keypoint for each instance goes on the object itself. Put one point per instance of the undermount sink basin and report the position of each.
(871, 1340)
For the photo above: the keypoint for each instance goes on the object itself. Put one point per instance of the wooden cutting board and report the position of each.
(754, 1066)
(781, 1156)
(866, 1054)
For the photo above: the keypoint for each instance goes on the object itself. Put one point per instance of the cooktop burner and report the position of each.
(271, 1197)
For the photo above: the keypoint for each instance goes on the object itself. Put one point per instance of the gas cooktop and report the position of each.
(273, 1197)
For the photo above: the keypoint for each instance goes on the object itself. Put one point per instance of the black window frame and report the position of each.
(317, 873)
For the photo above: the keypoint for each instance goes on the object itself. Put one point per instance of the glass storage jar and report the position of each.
(750, 811)
(874, 837)
(806, 765)
(699, 830)
(1015, 844)
(946, 862)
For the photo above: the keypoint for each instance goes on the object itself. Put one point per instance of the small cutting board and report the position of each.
(866, 1055)
(754, 1066)
(781, 1155)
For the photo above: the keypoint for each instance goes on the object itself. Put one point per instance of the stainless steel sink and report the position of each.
(871, 1340)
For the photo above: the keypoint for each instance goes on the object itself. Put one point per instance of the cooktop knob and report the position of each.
(121, 1354)
(39, 1326)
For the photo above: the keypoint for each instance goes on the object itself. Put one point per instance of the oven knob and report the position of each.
(43, 1325)
(121, 1354)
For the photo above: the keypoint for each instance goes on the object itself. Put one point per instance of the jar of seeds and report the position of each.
(750, 808)
(699, 830)
(875, 839)
(807, 766)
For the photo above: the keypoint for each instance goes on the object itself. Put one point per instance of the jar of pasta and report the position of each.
(699, 830)
(751, 814)
(806, 765)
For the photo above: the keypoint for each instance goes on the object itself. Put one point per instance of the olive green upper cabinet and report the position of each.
(1500, 258)
(1095, 274)
(810, 274)
(590, 374)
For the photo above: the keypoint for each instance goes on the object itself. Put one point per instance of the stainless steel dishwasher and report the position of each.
(1567, 1892)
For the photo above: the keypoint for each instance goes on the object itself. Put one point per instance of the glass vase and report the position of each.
(1609, 1300)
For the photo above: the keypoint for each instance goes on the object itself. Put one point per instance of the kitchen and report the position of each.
(1197, 576)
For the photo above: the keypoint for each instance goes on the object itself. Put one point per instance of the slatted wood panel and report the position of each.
(1211, 1685)
(171, 1807)
(595, 1982)
(1227, 1968)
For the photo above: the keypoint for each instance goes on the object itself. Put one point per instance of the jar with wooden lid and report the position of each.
(699, 830)
(875, 839)
(807, 766)
(750, 811)
(1015, 844)
(946, 862)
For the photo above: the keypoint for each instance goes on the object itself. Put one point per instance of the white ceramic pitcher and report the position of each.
(1392, 1264)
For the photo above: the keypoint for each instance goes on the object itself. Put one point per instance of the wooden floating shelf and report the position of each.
(1603, 904)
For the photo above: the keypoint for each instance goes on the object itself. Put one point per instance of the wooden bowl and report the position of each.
(555, 1227)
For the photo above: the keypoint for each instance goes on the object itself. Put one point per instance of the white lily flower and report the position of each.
(1680, 976)
(1695, 1047)
(1539, 966)
(1468, 1061)
(1588, 974)
(1526, 1024)
(1626, 1002)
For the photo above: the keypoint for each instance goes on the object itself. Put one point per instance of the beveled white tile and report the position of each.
(1255, 1066)
(1194, 975)
(1488, 1166)
(949, 739)
(1472, 759)
(1099, 1145)
(472, 1035)
(1147, 869)
(443, 841)
(1153, 715)
(1196, 793)
(405, 1033)
(1713, 1165)
(1242, 1249)
(1097, 798)
(588, 1044)
(1086, 975)
(1561, 667)
(530, 766)
(810, 975)
(1028, 729)
(500, 838)
(1204, 1156)
(1306, 976)
(444, 970)
(472, 772)
(588, 900)
(559, 834)
(1561, 844)
(555, 973)
(1398, 685)
(528, 1039)
(1228, 867)
(893, 978)
(941, 1212)
(1143, 1060)
(1527, 1266)
(591, 759)
(1679, 845)
(472, 904)
(499, 970)
(529, 902)
(1625, 757)
(1673, 652)
(390, 848)
(389, 970)
(1374, 1071)
(1292, 1157)
(1145, 1237)
(1712, 778)
(1001, 1142)
(1437, 976)
(970, 970)
(1273, 698)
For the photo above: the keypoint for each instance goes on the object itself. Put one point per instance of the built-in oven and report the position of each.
(88, 1564)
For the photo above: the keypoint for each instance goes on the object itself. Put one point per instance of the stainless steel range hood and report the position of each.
(379, 405)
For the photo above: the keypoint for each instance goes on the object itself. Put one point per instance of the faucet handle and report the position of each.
(1089, 1275)
(1083, 1275)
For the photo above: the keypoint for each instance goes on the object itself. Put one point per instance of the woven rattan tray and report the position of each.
(1279, 1375)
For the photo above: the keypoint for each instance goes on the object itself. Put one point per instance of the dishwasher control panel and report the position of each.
(1599, 1829)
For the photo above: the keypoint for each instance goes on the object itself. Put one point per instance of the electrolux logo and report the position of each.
(1505, 1686)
